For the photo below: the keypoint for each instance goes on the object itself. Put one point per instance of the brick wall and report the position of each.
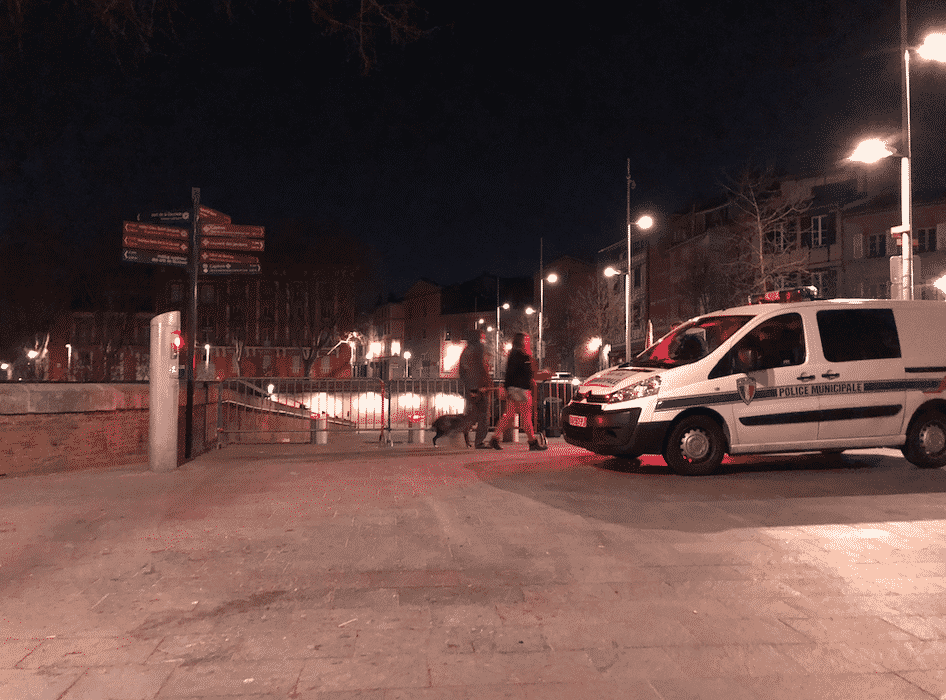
(63, 427)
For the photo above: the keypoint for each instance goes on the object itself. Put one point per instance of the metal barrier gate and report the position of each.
(293, 410)
(279, 409)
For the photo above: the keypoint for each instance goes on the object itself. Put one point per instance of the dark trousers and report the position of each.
(477, 412)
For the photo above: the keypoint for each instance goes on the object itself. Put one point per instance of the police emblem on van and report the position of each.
(746, 388)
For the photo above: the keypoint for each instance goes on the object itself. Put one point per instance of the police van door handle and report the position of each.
(806, 377)
(830, 375)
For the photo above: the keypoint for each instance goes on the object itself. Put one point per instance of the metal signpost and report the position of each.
(210, 245)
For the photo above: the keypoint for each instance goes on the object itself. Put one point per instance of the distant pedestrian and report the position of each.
(518, 385)
(474, 374)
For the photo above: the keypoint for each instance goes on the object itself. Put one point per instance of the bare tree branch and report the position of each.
(594, 312)
(763, 242)
(364, 20)
(133, 29)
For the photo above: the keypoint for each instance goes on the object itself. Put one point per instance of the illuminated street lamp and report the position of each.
(551, 278)
(872, 150)
(933, 47)
(643, 223)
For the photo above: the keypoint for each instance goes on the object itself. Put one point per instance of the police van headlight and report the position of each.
(647, 387)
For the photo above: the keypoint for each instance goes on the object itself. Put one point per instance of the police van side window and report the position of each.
(778, 342)
(848, 335)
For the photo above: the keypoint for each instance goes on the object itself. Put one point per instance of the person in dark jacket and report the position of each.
(474, 374)
(518, 385)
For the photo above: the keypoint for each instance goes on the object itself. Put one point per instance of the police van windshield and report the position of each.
(690, 341)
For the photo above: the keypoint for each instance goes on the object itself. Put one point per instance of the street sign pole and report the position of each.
(191, 355)
(156, 243)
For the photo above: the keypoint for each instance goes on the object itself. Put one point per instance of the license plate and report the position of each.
(578, 421)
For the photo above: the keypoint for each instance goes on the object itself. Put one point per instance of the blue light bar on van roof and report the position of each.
(782, 296)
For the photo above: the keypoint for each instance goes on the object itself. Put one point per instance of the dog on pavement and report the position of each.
(445, 425)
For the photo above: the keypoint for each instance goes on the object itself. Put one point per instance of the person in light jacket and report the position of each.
(518, 385)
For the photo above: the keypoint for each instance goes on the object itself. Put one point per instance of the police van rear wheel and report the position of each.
(926, 441)
(696, 447)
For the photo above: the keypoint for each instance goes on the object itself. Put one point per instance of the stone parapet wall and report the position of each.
(64, 427)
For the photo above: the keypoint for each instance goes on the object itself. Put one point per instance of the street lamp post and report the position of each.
(627, 281)
(552, 279)
(872, 150)
(643, 223)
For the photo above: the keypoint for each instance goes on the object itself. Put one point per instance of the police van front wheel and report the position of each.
(696, 447)
(926, 441)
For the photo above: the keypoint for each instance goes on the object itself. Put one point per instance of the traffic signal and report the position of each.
(177, 342)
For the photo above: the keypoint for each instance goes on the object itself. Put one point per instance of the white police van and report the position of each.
(821, 375)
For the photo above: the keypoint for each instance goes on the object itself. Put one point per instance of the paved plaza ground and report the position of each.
(410, 572)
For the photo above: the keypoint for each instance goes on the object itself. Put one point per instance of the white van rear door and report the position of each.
(859, 377)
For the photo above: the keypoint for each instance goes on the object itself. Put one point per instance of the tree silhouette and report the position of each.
(763, 242)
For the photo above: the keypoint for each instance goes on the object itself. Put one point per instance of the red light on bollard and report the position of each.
(177, 342)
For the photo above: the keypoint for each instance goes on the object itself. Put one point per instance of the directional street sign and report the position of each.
(214, 243)
(155, 243)
(218, 229)
(141, 229)
(153, 257)
(221, 242)
(208, 214)
(209, 256)
(171, 216)
(229, 268)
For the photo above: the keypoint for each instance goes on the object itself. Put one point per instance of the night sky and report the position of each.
(456, 153)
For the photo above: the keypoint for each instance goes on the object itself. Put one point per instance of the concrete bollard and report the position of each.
(416, 431)
(318, 429)
(511, 434)
(164, 386)
(322, 437)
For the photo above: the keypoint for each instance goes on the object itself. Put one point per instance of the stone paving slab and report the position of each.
(409, 572)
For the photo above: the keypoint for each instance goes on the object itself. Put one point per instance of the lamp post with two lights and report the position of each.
(643, 223)
(872, 150)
